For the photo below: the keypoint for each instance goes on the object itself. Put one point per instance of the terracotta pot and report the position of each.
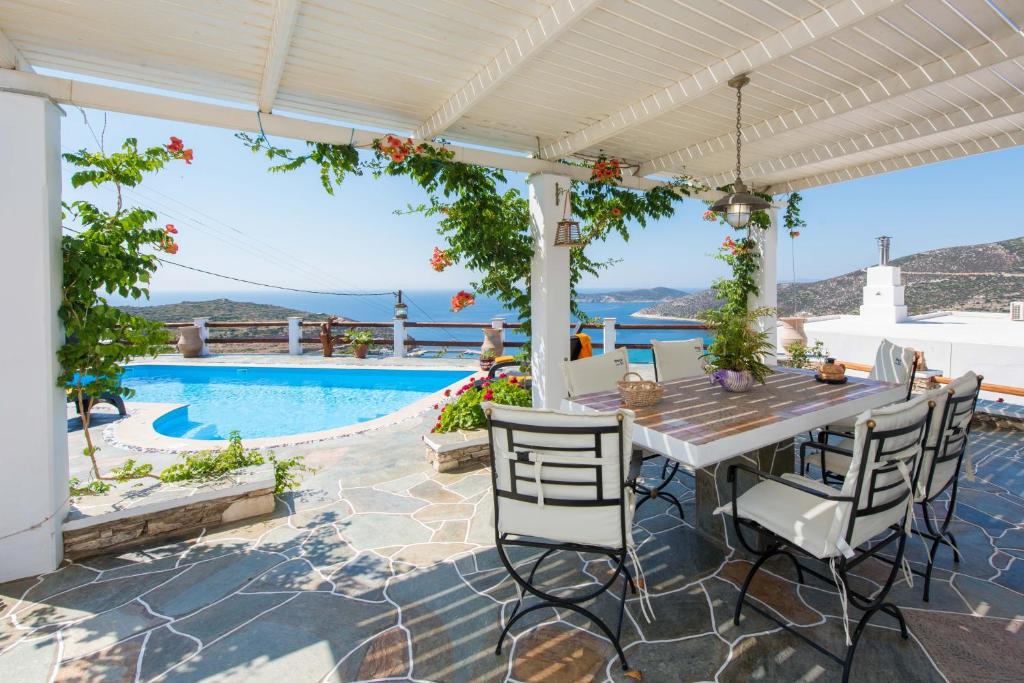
(736, 381)
(791, 331)
(190, 344)
(492, 341)
(360, 350)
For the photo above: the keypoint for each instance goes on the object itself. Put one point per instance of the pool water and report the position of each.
(263, 402)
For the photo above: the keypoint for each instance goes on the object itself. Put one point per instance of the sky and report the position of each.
(235, 218)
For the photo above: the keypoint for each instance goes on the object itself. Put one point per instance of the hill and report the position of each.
(631, 295)
(218, 309)
(980, 277)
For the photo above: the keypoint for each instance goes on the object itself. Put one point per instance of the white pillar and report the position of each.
(295, 335)
(767, 277)
(399, 338)
(33, 417)
(204, 332)
(609, 334)
(549, 292)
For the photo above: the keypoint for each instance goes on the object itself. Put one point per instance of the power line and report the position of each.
(259, 284)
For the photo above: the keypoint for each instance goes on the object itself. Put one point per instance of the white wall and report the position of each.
(32, 407)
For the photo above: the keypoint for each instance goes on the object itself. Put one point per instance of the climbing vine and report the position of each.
(485, 224)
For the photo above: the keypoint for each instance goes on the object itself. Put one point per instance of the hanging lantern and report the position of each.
(567, 233)
(401, 310)
(737, 206)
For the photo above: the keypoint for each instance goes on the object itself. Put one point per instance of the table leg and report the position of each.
(713, 490)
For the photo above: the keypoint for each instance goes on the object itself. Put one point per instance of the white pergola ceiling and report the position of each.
(839, 88)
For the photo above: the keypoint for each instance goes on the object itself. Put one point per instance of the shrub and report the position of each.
(464, 411)
(207, 465)
(802, 356)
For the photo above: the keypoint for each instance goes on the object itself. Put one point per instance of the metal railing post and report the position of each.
(295, 335)
(609, 334)
(204, 333)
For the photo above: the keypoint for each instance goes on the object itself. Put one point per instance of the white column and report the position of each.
(609, 334)
(204, 332)
(295, 335)
(33, 417)
(399, 338)
(549, 293)
(767, 277)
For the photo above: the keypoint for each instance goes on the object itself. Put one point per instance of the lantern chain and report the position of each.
(739, 138)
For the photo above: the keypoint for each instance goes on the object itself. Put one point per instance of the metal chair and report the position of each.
(560, 484)
(600, 374)
(800, 516)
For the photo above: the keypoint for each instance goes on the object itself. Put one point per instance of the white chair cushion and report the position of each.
(892, 363)
(677, 359)
(591, 525)
(801, 518)
(597, 373)
(944, 471)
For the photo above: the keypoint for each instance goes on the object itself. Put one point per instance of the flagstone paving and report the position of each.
(380, 569)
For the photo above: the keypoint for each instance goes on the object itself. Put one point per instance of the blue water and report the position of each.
(434, 305)
(261, 402)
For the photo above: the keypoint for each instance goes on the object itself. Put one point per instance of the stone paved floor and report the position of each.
(379, 569)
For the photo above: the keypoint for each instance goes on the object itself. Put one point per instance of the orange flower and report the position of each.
(176, 145)
(794, 234)
(187, 156)
(440, 260)
(170, 229)
(171, 247)
(710, 215)
(616, 211)
(461, 300)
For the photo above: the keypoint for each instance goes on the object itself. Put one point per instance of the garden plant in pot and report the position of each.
(360, 341)
(487, 359)
(736, 355)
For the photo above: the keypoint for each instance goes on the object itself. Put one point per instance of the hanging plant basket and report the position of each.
(568, 234)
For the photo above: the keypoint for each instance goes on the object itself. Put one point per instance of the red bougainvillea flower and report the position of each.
(440, 260)
(447, 392)
(488, 395)
(513, 380)
(436, 406)
(710, 216)
(1000, 400)
(616, 211)
(170, 229)
(176, 145)
(461, 300)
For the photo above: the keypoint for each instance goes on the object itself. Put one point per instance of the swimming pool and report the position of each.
(265, 402)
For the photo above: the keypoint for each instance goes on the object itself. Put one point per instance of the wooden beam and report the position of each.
(555, 21)
(917, 129)
(107, 98)
(796, 36)
(286, 14)
(10, 56)
(912, 79)
(976, 145)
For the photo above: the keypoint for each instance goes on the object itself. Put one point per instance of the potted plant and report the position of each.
(736, 354)
(487, 357)
(360, 342)
(327, 339)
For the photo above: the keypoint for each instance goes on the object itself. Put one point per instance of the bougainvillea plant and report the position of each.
(113, 252)
(463, 411)
(484, 223)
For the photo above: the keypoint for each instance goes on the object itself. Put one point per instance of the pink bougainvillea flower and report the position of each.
(170, 229)
(176, 145)
(488, 395)
(436, 406)
(461, 300)
(447, 392)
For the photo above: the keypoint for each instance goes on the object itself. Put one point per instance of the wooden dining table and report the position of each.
(706, 428)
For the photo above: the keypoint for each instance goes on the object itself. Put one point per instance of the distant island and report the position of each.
(652, 294)
(219, 309)
(979, 277)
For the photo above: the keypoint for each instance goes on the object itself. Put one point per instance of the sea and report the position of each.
(434, 306)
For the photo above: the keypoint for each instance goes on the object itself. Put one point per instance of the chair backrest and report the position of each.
(947, 435)
(887, 446)
(677, 359)
(597, 373)
(896, 364)
(561, 476)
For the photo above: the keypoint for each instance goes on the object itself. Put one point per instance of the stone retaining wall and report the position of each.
(157, 514)
(458, 451)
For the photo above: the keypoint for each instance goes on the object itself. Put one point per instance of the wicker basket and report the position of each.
(639, 393)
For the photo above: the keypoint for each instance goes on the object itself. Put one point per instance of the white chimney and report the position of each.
(883, 295)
